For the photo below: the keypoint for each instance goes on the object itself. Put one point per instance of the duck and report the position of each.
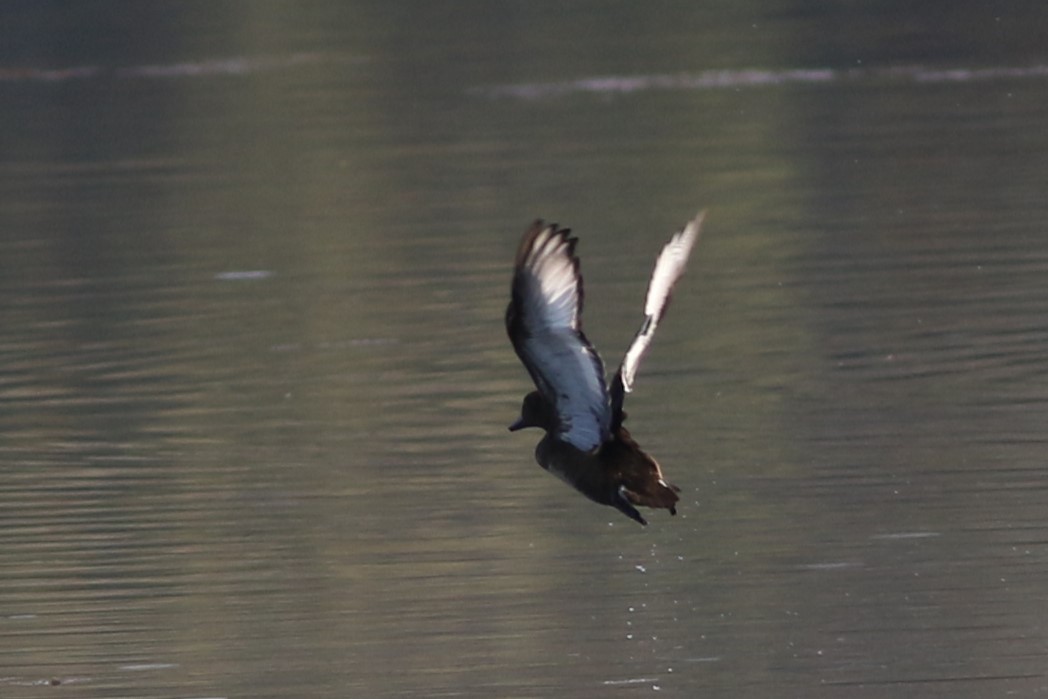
(586, 443)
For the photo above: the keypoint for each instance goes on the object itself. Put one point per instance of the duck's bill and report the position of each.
(518, 425)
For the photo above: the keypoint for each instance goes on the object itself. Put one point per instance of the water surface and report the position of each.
(254, 383)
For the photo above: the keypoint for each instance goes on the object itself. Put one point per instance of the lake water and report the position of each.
(254, 382)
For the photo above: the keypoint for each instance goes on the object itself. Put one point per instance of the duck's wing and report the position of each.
(544, 325)
(668, 269)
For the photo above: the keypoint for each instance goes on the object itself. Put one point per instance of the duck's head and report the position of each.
(534, 412)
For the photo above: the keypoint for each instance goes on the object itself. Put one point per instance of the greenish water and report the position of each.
(254, 383)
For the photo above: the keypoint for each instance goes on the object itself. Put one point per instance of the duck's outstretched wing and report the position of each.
(543, 322)
(668, 269)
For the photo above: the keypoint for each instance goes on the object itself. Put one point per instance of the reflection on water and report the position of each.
(255, 385)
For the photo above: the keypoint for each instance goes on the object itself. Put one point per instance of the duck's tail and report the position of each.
(654, 493)
(638, 479)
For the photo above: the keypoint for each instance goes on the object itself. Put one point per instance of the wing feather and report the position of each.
(544, 324)
(669, 266)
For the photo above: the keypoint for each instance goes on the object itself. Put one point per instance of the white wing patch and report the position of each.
(668, 269)
(546, 332)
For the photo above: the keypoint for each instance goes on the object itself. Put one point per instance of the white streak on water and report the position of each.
(240, 275)
(906, 535)
(635, 680)
(836, 565)
(231, 66)
(743, 78)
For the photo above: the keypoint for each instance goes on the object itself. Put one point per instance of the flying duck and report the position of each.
(586, 443)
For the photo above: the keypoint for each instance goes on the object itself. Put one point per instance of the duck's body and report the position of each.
(586, 443)
(619, 473)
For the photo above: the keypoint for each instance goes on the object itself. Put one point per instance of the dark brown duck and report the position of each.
(586, 443)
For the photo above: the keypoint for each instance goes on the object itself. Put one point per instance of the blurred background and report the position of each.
(254, 383)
